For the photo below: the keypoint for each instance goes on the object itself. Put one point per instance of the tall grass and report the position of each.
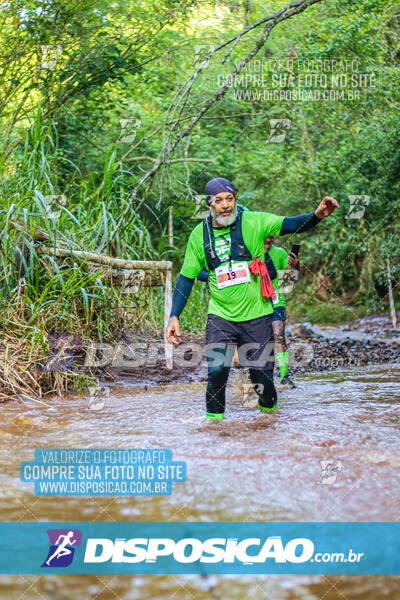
(80, 216)
(64, 296)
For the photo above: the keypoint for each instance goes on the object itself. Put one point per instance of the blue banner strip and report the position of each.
(236, 548)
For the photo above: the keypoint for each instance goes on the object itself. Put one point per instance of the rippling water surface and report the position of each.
(251, 467)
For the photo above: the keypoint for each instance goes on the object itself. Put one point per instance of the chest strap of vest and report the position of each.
(239, 250)
(273, 273)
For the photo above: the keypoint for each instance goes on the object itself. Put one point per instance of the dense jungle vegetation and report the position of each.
(111, 112)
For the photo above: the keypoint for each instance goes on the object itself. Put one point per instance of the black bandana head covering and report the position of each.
(217, 185)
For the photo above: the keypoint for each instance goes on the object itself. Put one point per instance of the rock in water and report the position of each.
(301, 331)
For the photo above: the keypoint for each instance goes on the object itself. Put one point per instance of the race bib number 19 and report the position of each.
(239, 273)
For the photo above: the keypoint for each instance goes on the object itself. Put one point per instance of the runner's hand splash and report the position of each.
(326, 207)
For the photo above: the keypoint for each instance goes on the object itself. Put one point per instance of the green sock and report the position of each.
(215, 416)
(283, 362)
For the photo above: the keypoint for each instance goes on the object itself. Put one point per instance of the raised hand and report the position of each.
(326, 207)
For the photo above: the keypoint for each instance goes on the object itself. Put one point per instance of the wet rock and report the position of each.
(302, 331)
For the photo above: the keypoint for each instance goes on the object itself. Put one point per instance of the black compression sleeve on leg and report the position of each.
(218, 374)
(299, 224)
(263, 383)
(182, 291)
(215, 393)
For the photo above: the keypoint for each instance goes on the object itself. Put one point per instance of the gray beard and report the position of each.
(224, 221)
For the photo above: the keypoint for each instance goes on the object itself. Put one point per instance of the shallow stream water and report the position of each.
(251, 467)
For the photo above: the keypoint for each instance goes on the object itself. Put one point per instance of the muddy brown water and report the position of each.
(251, 467)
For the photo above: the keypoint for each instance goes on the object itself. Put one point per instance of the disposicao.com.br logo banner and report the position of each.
(158, 548)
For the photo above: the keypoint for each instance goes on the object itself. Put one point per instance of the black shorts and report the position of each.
(254, 338)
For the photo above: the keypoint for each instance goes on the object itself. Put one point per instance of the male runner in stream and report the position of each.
(231, 244)
(278, 262)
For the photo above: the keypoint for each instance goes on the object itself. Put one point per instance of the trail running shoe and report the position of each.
(287, 382)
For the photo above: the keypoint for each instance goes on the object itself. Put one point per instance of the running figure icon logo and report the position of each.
(329, 471)
(201, 52)
(279, 129)
(357, 206)
(250, 394)
(62, 547)
(201, 210)
(287, 279)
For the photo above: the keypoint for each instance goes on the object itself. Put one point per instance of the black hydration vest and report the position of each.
(239, 250)
(272, 272)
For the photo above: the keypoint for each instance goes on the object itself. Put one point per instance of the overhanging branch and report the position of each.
(180, 98)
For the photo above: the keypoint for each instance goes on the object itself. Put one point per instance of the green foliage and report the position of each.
(324, 312)
(123, 62)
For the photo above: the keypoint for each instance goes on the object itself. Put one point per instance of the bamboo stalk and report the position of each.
(129, 277)
(109, 261)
